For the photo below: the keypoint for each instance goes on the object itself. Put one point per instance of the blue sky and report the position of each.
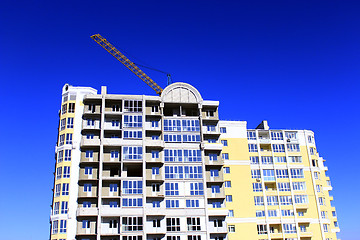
(293, 63)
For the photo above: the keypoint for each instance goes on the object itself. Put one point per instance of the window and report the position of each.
(272, 213)
(193, 172)
(254, 160)
(65, 189)
(155, 187)
(192, 203)
(312, 151)
(132, 224)
(87, 187)
(280, 159)
(215, 189)
(154, 154)
(173, 155)
(113, 204)
(62, 124)
(289, 228)
(113, 187)
(173, 137)
(67, 155)
(55, 226)
(71, 108)
(172, 224)
(282, 173)
(218, 223)
(228, 198)
(61, 139)
(301, 199)
(257, 187)
(132, 106)
(56, 208)
(70, 123)
(224, 143)
(155, 171)
(90, 136)
(216, 204)
(86, 204)
(318, 188)
(60, 156)
(284, 186)
(58, 173)
(132, 187)
(156, 223)
(90, 122)
(115, 123)
(115, 108)
(316, 175)
(57, 190)
(171, 189)
(301, 214)
(287, 213)
(154, 109)
(262, 229)
(89, 154)
(64, 207)
(285, 200)
(336, 224)
(323, 215)
(132, 153)
(68, 138)
(251, 135)
(333, 214)
(293, 147)
(113, 223)
(172, 203)
(295, 159)
(259, 200)
(132, 202)
(114, 155)
(191, 138)
(321, 201)
(194, 237)
(278, 147)
(268, 175)
(132, 121)
(253, 148)
(226, 169)
(214, 172)
(231, 213)
(196, 189)
(228, 184)
(255, 173)
(277, 136)
(66, 173)
(326, 227)
(172, 125)
(132, 134)
(212, 156)
(174, 172)
(223, 130)
(172, 238)
(267, 160)
(272, 200)
(156, 204)
(154, 124)
(211, 128)
(297, 173)
(154, 137)
(193, 224)
(85, 224)
(209, 113)
(260, 213)
(291, 135)
(64, 109)
(225, 156)
(231, 228)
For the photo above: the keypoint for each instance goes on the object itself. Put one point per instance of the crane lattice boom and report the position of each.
(124, 60)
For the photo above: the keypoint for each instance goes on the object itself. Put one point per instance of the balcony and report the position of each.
(155, 143)
(87, 212)
(210, 178)
(90, 142)
(221, 194)
(149, 126)
(264, 140)
(213, 146)
(306, 234)
(218, 212)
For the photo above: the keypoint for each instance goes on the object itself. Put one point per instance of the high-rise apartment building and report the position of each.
(138, 167)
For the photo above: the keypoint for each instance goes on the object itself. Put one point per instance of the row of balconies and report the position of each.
(149, 192)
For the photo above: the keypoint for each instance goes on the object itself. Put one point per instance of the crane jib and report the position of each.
(124, 60)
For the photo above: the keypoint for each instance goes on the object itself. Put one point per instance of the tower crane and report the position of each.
(129, 64)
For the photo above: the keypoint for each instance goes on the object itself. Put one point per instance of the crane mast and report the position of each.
(124, 60)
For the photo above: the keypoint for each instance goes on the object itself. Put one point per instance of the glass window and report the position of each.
(70, 123)
(132, 121)
(277, 136)
(278, 147)
(226, 169)
(196, 189)
(132, 187)
(132, 202)
(253, 148)
(171, 189)
(224, 143)
(192, 203)
(225, 156)
(251, 135)
(223, 130)
(228, 198)
(65, 189)
(132, 153)
(66, 173)
(132, 106)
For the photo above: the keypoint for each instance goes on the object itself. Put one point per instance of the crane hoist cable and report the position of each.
(129, 64)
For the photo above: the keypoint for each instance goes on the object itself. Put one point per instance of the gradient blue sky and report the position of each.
(293, 63)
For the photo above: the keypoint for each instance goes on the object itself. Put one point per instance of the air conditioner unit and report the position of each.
(258, 180)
